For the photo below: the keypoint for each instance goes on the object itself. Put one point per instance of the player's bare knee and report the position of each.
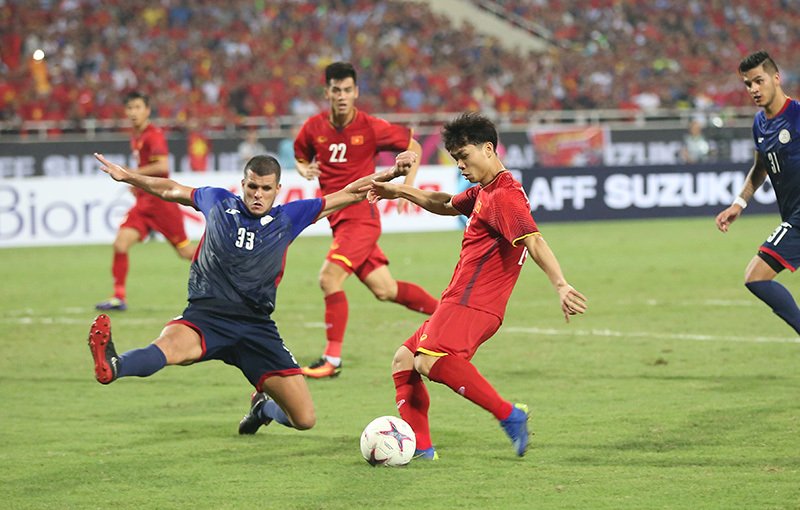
(121, 246)
(383, 294)
(403, 360)
(305, 420)
(328, 283)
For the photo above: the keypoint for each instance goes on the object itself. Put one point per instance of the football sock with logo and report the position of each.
(779, 299)
(142, 362)
(335, 322)
(462, 377)
(119, 271)
(413, 402)
(272, 411)
(414, 297)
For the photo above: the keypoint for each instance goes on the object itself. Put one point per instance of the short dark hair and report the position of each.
(263, 165)
(756, 59)
(339, 71)
(135, 94)
(469, 128)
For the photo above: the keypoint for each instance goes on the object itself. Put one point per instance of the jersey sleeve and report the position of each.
(388, 136)
(511, 216)
(464, 202)
(303, 149)
(205, 198)
(303, 213)
(158, 145)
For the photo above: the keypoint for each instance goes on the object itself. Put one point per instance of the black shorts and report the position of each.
(782, 247)
(252, 344)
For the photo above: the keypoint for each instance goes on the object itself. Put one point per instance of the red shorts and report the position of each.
(166, 218)
(355, 248)
(453, 329)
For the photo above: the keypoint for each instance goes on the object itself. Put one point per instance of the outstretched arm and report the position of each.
(356, 191)
(572, 301)
(403, 205)
(166, 189)
(437, 202)
(755, 178)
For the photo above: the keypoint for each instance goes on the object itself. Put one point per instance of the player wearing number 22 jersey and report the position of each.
(338, 146)
(776, 134)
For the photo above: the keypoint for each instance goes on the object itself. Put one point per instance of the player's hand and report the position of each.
(380, 190)
(572, 301)
(728, 216)
(309, 171)
(117, 172)
(404, 162)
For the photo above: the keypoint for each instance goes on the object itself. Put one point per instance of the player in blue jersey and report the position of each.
(232, 287)
(776, 133)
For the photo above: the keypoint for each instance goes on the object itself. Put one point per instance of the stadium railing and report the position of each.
(279, 125)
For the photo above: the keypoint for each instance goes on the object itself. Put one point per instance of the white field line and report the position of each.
(608, 333)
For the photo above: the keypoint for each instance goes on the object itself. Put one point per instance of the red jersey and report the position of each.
(148, 146)
(348, 153)
(492, 253)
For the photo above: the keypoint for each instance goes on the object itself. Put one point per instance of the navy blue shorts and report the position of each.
(783, 246)
(252, 344)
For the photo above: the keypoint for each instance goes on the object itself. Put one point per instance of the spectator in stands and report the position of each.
(250, 147)
(696, 148)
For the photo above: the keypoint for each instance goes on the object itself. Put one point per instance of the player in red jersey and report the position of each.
(337, 147)
(499, 233)
(150, 213)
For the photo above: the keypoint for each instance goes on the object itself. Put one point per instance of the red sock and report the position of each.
(462, 377)
(335, 322)
(413, 402)
(119, 270)
(414, 297)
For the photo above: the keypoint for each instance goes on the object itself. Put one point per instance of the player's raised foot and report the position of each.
(321, 369)
(426, 454)
(113, 303)
(106, 361)
(516, 428)
(252, 421)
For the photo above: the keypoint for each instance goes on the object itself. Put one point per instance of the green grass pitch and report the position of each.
(677, 390)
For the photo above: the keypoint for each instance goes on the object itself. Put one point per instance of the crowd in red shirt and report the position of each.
(201, 59)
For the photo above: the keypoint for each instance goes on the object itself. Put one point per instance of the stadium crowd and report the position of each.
(200, 59)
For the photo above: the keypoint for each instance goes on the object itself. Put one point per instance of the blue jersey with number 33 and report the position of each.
(241, 257)
(778, 142)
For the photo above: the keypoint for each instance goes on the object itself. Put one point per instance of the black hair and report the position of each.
(263, 165)
(469, 128)
(135, 94)
(339, 71)
(756, 59)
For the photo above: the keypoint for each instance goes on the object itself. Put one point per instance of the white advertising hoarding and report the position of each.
(43, 211)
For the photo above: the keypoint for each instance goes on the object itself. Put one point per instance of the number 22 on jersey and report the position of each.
(338, 152)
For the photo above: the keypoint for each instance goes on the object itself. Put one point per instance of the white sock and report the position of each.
(333, 361)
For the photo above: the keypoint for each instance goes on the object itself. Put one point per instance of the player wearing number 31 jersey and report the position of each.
(776, 134)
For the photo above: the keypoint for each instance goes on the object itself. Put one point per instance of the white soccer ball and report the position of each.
(388, 441)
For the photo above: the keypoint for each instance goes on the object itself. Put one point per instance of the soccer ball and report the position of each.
(388, 441)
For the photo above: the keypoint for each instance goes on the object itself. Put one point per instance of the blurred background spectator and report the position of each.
(696, 149)
(250, 147)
